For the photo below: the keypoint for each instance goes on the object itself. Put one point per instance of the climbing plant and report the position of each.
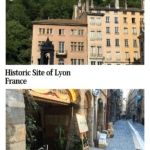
(31, 127)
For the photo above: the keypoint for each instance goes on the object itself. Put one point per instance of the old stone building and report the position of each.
(58, 106)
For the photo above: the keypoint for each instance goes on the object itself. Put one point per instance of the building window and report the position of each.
(71, 61)
(125, 20)
(61, 31)
(77, 61)
(99, 50)
(98, 11)
(116, 19)
(98, 35)
(141, 46)
(142, 19)
(80, 46)
(92, 50)
(49, 31)
(41, 30)
(82, 61)
(141, 13)
(115, 12)
(116, 30)
(61, 47)
(126, 42)
(136, 55)
(108, 55)
(107, 29)
(133, 30)
(127, 55)
(133, 13)
(92, 20)
(107, 19)
(80, 32)
(108, 42)
(107, 11)
(124, 12)
(134, 43)
(98, 21)
(125, 30)
(73, 46)
(99, 63)
(117, 42)
(92, 35)
(133, 20)
(117, 55)
(61, 62)
(72, 32)
(92, 62)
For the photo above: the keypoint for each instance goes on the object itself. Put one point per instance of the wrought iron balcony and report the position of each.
(61, 53)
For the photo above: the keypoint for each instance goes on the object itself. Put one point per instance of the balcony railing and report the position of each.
(96, 55)
(61, 53)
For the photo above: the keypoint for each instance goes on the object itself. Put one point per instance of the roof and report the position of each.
(68, 22)
(113, 8)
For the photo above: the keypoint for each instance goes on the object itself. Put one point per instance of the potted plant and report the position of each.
(59, 140)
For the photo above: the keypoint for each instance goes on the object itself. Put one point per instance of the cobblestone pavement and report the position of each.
(139, 127)
(122, 139)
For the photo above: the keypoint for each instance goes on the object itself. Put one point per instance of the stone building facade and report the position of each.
(15, 121)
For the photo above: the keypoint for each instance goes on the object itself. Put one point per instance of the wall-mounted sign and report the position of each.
(95, 92)
(82, 124)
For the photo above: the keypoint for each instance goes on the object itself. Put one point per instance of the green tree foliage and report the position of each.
(21, 13)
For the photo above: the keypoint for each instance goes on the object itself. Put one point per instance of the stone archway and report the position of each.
(89, 113)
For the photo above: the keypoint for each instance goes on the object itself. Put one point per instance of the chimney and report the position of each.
(142, 4)
(87, 5)
(79, 3)
(109, 5)
(125, 4)
(92, 4)
(116, 2)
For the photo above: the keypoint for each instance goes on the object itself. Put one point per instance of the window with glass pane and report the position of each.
(108, 42)
(75, 32)
(99, 63)
(118, 55)
(125, 20)
(82, 61)
(92, 62)
(40, 30)
(47, 31)
(78, 61)
(116, 30)
(116, 19)
(108, 55)
(133, 13)
(134, 30)
(98, 11)
(82, 46)
(92, 50)
(63, 32)
(71, 61)
(125, 30)
(92, 35)
(141, 13)
(127, 55)
(142, 19)
(75, 46)
(135, 43)
(51, 31)
(107, 30)
(136, 55)
(124, 13)
(82, 32)
(92, 21)
(79, 32)
(98, 21)
(61, 62)
(75, 62)
(115, 12)
(117, 42)
(126, 42)
(71, 32)
(98, 35)
(43, 31)
(133, 20)
(107, 19)
(61, 47)
(99, 50)
(107, 11)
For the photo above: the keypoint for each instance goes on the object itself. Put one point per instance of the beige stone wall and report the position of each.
(15, 121)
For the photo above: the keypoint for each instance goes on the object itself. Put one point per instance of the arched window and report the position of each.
(61, 62)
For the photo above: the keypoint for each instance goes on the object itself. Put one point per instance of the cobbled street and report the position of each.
(124, 138)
